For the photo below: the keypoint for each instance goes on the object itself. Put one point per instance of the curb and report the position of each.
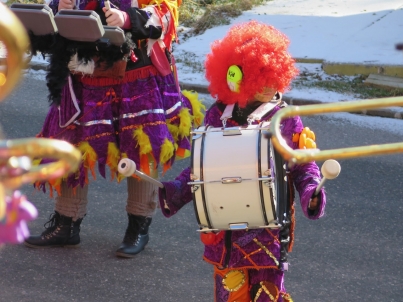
(389, 113)
(351, 69)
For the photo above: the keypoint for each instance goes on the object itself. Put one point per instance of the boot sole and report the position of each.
(50, 246)
(124, 255)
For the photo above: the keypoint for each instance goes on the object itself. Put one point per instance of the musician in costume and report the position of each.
(114, 102)
(249, 265)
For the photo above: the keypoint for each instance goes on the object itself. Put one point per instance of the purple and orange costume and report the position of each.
(141, 114)
(251, 258)
(113, 102)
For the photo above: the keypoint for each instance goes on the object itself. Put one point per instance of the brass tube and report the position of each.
(308, 155)
(16, 41)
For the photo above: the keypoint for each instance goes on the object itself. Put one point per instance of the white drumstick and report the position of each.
(107, 4)
(330, 170)
(127, 167)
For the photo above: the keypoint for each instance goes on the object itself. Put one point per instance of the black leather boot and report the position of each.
(60, 231)
(136, 236)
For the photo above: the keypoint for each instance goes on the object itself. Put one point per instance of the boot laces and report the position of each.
(51, 225)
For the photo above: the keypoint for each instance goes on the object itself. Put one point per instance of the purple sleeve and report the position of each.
(306, 176)
(54, 5)
(212, 117)
(175, 194)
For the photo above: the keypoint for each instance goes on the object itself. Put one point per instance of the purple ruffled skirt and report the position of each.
(142, 117)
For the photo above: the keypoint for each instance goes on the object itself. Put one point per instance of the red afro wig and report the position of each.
(260, 51)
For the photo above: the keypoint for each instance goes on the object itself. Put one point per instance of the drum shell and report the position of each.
(247, 156)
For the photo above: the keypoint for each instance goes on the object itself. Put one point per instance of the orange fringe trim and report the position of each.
(181, 152)
(145, 164)
(166, 167)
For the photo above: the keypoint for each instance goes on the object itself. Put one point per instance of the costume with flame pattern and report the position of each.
(249, 265)
(114, 103)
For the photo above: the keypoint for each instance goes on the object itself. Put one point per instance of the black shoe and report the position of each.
(60, 231)
(136, 236)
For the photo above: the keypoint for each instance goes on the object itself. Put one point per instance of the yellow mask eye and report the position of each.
(234, 78)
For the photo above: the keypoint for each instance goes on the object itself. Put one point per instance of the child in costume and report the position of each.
(249, 265)
(112, 103)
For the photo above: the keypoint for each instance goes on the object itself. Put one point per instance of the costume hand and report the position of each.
(314, 203)
(66, 4)
(305, 139)
(114, 17)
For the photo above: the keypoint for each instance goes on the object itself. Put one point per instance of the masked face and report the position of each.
(266, 95)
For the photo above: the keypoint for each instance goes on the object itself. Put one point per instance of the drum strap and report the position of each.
(291, 209)
(256, 115)
(261, 111)
(227, 114)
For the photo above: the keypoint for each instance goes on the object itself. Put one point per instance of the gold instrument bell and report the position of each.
(16, 155)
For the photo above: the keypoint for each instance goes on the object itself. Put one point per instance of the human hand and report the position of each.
(114, 17)
(66, 4)
(313, 203)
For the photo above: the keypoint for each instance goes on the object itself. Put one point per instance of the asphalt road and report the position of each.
(354, 253)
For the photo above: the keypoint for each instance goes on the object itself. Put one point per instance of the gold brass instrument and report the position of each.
(307, 155)
(13, 35)
(16, 154)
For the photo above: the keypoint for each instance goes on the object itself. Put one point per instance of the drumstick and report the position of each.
(127, 167)
(330, 170)
(107, 4)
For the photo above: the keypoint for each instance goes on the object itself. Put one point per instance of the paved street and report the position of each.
(353, 254)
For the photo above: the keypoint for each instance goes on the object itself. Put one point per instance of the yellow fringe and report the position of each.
(174, 130)
(167, 151)
(112, 159)
(36, 162)
(143, 141)
(185, 123)
(197, 107)
(89, 157)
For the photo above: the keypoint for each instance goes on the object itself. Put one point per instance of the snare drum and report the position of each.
(238, 179)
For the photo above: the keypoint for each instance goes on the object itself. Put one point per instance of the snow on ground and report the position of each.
(354, 31)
